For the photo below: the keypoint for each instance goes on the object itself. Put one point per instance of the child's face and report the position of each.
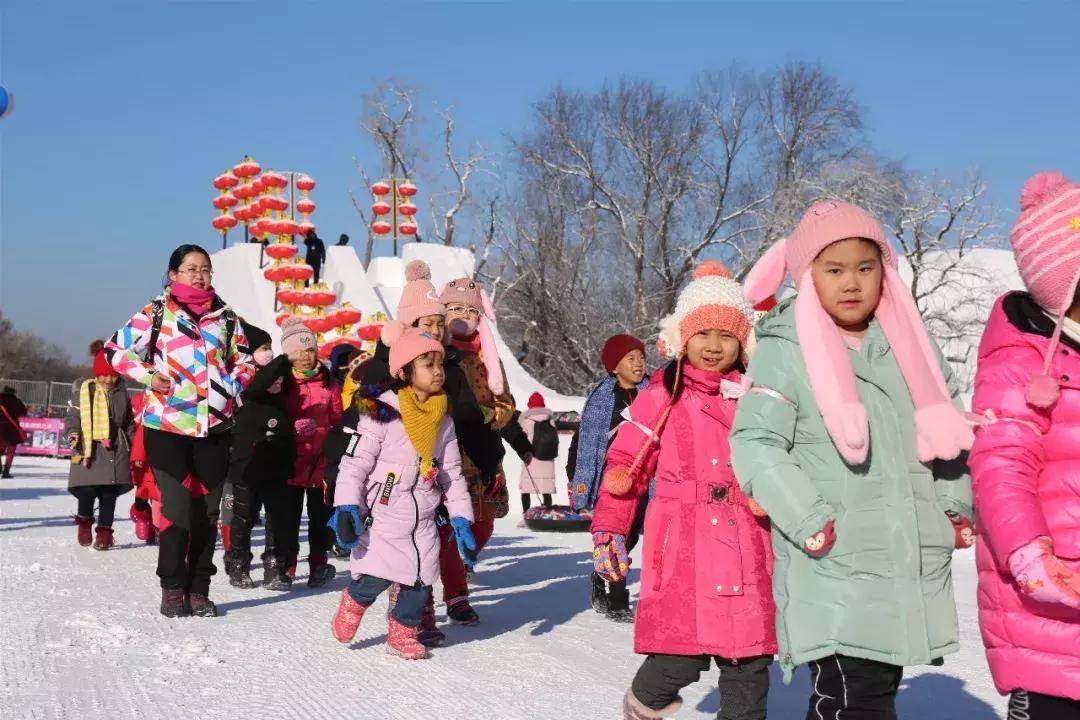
(462, 319)
(304, 359)
(263, 355)
(713, 350)
(107, 381)
(427, 374)
(631, 369)
(847, 276)
(433, 325)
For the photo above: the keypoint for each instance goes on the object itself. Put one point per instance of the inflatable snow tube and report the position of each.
(557, 518)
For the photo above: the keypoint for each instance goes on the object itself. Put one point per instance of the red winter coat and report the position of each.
(706, 583)
(317, 399)
(1025, 471)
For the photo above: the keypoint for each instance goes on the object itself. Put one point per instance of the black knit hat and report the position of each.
(256, 336)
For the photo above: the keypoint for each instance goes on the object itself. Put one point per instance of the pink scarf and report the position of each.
(195, 299)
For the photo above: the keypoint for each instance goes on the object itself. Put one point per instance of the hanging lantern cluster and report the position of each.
(393, 208)
(247, 170)
(305, 206)
(224, 202)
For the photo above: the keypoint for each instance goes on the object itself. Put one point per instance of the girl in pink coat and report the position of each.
(1026, 462)
(402, 461)
(707, 561)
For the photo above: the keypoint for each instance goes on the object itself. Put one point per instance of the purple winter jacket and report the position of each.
(380, 472)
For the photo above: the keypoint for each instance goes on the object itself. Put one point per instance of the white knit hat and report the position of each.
(712, 301)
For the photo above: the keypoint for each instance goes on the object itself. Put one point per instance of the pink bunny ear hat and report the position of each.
(942, 429)
(468, 292)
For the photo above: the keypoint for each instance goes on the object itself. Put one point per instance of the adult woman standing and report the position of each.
(188, 348)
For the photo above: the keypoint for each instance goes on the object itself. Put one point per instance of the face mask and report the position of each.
(263, 357)
(461, 327)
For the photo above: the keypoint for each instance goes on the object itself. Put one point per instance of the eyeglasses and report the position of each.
(193, 271)
(463, 310)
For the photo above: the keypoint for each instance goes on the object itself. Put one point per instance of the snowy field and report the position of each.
(81, 637)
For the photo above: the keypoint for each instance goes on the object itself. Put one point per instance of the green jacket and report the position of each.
(884, 591)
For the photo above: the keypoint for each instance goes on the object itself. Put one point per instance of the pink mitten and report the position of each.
(1043, 576)
(305, 427)
(610, 559)
(820, 543)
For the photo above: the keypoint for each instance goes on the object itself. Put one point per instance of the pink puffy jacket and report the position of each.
(317, 400)
(1025, 471)
(706, 573)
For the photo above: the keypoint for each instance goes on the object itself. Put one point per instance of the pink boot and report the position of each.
(348, 617)
(402, 641)
(143, 520)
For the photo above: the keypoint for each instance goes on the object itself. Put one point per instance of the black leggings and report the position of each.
(849, 687)
(744, 683)
(286, 531)
(1024, 705)
(186, 547)
(105, 495)
(526, 500)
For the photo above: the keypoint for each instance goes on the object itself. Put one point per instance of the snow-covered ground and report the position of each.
(81, 637)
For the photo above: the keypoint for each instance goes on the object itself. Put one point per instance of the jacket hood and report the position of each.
(779, 323)
(1018, 321)
(378, 401)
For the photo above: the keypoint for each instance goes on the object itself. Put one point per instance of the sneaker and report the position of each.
(86, 530)
(321, 575)
(402, 641)
(103, 538)
(600, 601)
(173, 603)
(461, 613)
(347, 618)
(201, 605)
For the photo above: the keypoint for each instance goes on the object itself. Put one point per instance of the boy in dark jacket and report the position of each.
(623, 357)
(263, 458)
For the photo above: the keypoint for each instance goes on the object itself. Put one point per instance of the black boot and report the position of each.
(239, 570)
(274, 575)
(619, 598)
(600, 601)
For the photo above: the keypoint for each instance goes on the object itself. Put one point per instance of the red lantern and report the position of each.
(247, 168)
(301, 272)
(257, 227)
(224, 222)
(225, 181)
(259, 185)
(407, 228)
(380, 227)
(319, 324)
(276, 274)
(286, 296)
(380, 188)
(324, 298)
(245, 192)
(225, 201)
(406, 189)
(305, 184)
(282, 317)
(305, 206)
(273, 179)
(281, 251)
(309, 298)
(305, 228)
(274, 202)
(407, 209)
(346, 316)
(369, 333)
(380, 208)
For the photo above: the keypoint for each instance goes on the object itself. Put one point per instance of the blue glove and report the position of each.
(347, 525)
(466, 543)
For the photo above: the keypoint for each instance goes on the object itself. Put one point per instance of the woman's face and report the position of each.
(195, 270)
(433, 325)
(461, 319)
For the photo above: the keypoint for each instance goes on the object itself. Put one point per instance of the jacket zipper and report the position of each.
(663, 551)
(416, 525)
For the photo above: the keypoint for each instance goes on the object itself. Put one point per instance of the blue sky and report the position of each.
(124, 111)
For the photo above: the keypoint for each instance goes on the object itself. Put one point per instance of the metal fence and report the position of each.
(49, 398)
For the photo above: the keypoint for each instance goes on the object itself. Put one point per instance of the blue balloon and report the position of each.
(5, 101)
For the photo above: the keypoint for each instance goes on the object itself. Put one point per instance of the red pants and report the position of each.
(451, 567)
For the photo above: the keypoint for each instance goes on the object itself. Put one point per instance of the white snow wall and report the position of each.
(239, 280)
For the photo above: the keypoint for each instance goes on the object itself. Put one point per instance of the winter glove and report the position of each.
(610, 559)
(305, 427)
(963, 530)
(466, 543)
(820, 543)
(347, 525)
(1043, 576)
(442, 515)
(494, 486)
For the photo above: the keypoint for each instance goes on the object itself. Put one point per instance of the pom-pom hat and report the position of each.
(712, 301)
(296, 336)
(418, 298)
(406, 344)
(466, 291)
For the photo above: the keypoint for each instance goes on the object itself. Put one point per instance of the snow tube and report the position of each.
(557, 518)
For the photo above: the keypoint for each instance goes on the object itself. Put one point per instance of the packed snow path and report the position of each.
(81, 638)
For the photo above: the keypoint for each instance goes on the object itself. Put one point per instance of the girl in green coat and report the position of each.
(851, 441)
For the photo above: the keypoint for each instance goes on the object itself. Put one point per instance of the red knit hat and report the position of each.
(616, 348)
(536, 400)
(102, 368)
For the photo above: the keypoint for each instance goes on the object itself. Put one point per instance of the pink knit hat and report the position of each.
(941, 427)
(711, 301)
(1046, 243)
(466, 291)
(418, 299)
(406, 344)
(296, 336)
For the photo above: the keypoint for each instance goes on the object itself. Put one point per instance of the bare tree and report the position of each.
(461, 169)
